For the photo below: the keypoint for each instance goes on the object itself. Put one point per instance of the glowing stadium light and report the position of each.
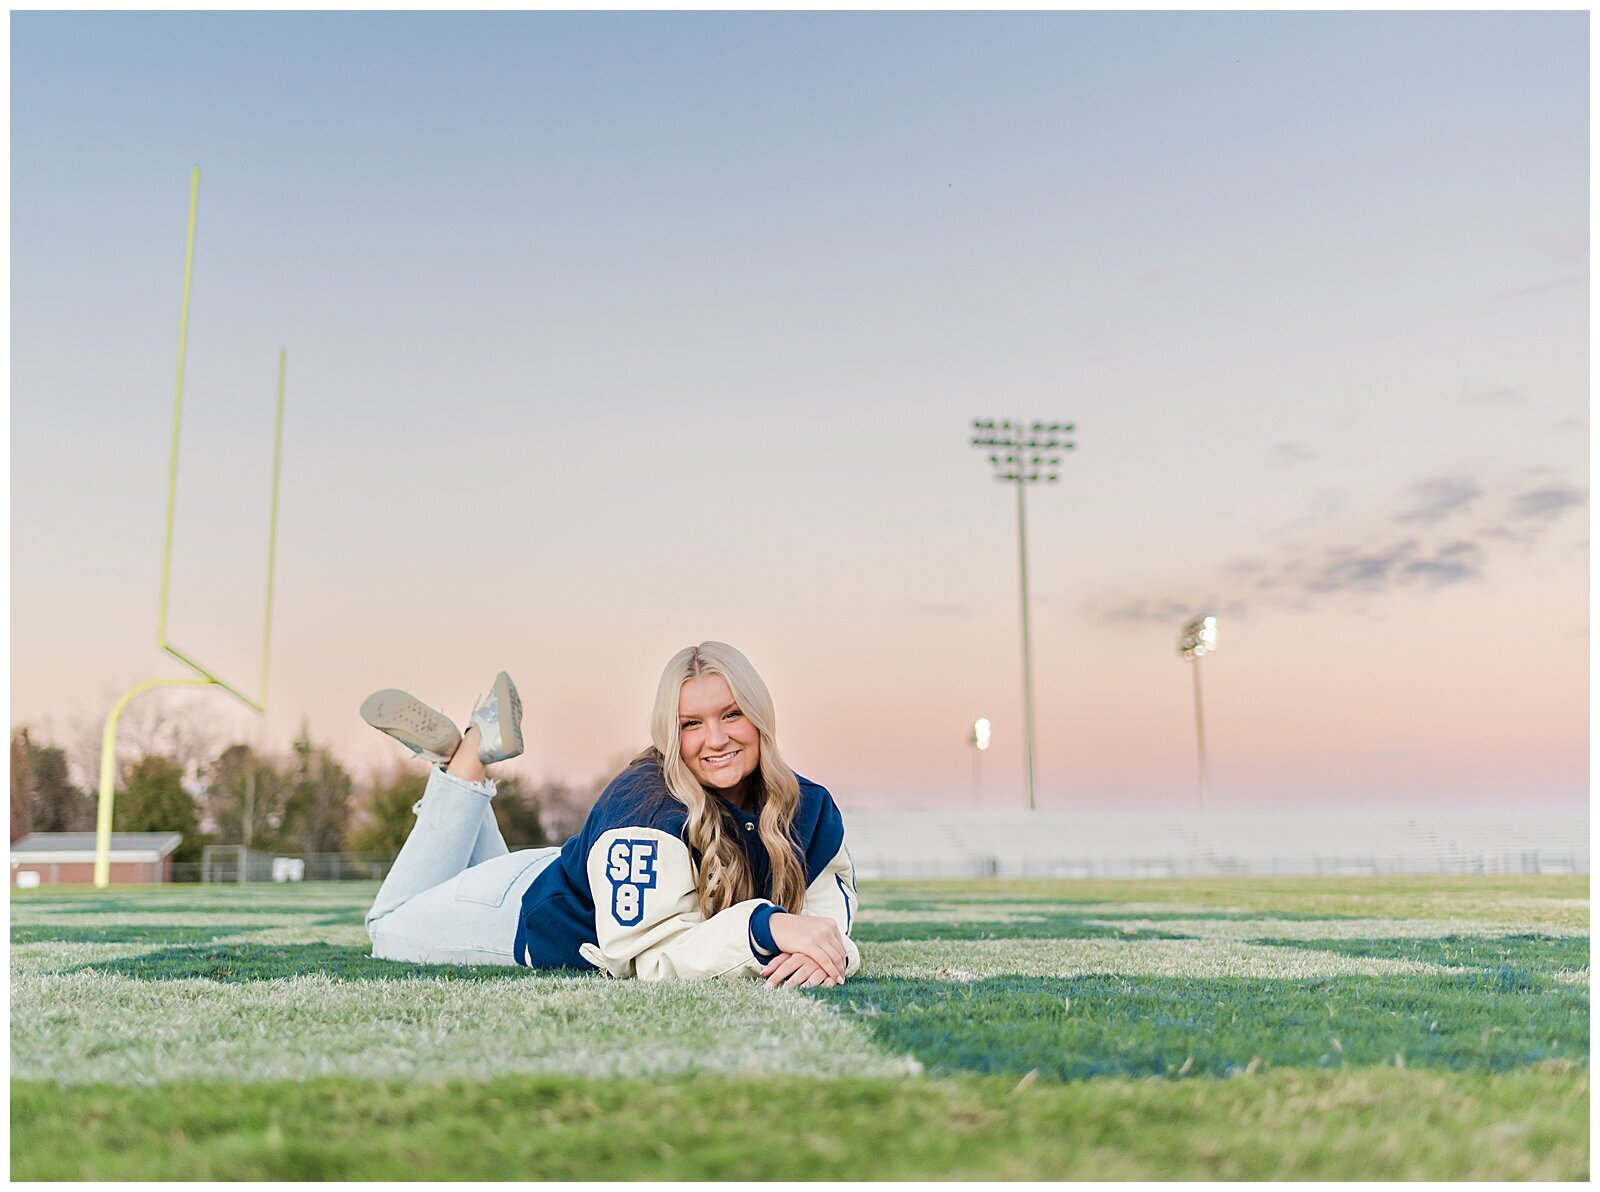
(979, 740)
(1197, 639)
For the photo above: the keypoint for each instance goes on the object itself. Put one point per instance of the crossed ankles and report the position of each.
(433, 736)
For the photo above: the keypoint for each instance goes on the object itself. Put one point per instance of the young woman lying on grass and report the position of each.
(706, 857)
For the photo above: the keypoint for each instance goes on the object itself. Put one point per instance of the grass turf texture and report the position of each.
(124, 933)
(1373, 1124)
(1148, 1026)
(255, 1038)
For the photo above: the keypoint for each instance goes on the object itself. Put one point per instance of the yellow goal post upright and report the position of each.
(203, 677)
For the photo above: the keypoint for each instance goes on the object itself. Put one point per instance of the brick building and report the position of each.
(67, 858)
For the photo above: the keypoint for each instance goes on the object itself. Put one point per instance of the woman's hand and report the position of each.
(792, 970)
(816, 938)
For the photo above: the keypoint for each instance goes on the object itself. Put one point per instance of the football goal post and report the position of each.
(202, 676)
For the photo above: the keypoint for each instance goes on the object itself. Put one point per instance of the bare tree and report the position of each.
(53, 802)
(186, 726)
(173, 725)
(563, 808)
(319, 799)
(246, 798)
(383, 816)
(22, 787)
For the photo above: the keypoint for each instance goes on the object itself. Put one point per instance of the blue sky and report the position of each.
(609, 332)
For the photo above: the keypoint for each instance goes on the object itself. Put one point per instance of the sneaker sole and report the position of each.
(411, 722)
(505, 691)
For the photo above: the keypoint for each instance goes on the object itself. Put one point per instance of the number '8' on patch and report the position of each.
(631, 870)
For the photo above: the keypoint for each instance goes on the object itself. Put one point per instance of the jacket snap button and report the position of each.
(749, 827)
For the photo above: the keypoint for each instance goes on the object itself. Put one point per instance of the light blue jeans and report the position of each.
(455, 891)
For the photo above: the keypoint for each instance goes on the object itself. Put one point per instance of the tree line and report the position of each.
(292, 804)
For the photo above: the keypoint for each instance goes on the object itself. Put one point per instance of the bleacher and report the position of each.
(895, 844)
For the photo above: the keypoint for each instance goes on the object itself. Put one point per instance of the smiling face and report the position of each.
(716, 739)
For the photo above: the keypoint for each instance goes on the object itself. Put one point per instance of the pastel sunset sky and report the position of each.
(611, 332)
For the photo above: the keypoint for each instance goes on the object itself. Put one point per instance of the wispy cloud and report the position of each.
(1400, 564)
(1294, 452)
(1436, 498)
(1168, 610)
(1547, 503)
(1452, 563)
(1355, 569)
(1326, 562)
(1323, 505)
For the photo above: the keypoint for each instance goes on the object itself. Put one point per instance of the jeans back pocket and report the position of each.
(490, 882)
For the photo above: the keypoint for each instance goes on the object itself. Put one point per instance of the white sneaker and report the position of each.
(407, 719)
(499, 721)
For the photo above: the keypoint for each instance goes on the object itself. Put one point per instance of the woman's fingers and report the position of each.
(819, 955)
(799, 976)
(794, 970)
(767, 968)
(835, 945)
(811, 975)
(809, 936)
(834, 968)
(789, 964)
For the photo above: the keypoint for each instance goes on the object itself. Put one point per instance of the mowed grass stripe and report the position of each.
(1148, 1026)
(1530, 953)
(1531, 1124)
(236, 963)
(1048, 927)
(968, 959)
(1553, 901)
(98, 1026)
(996, 908)
(232, 902)
(125, 932)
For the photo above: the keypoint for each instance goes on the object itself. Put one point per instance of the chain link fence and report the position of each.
(235, 864)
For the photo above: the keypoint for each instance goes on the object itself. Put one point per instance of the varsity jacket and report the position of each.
(621, 895)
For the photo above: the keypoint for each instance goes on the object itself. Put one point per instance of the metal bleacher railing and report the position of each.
(1126, 844)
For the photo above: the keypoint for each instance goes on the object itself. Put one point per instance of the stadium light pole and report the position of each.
(1022, 454)
(1199, 638)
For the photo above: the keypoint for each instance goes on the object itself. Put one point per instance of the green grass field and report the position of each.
(1317, 1028)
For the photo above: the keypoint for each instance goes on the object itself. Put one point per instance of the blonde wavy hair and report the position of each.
(723, 875)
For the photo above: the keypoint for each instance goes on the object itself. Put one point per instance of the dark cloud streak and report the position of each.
(1547, 503)
(1437, 498)
(1302, 574)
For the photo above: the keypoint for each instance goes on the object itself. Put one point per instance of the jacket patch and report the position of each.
(631, 870)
